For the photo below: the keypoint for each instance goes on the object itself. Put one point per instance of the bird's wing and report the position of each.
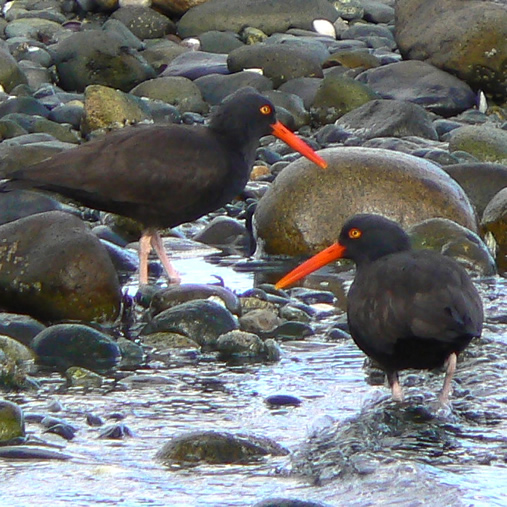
(158, 164)
(426, 296)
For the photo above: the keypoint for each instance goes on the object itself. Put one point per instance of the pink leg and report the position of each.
(144, 252)
(156, 242)
(394, 383)
(447, 388)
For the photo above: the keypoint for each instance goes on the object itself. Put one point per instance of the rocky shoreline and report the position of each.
(406, 103)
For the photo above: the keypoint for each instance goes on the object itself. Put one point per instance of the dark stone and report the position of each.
(195, 64)
(201, 320)
(96, 57)
(65, 345)
(388, 118)
(177, 294)
(279, 62)
(464, 38)
(23, 203)
(215, 87)
(421, 83)
(83, 287)
(20, 327)
(268, 16)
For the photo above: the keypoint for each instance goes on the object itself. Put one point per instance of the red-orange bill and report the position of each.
(332, 253)
(296, 143)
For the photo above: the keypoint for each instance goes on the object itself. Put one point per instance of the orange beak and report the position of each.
(296, 143)
(332, 253)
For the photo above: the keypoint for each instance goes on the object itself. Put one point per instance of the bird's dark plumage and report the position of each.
(165, 175)
(406, 309)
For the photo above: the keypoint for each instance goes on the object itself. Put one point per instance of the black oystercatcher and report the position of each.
(165, 175)
(406, 308)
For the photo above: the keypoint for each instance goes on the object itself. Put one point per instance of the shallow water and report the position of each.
(190, 395)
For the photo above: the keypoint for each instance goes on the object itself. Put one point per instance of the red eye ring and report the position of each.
(265, 109)
(355, 233)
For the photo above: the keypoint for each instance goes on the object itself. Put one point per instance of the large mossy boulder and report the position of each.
(306, 206)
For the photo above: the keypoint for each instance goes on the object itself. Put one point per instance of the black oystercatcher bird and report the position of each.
(165, 175)
(406, 308)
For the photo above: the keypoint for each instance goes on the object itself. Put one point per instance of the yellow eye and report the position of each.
(355, 233)
(265, 109)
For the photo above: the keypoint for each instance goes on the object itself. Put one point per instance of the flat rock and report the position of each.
(388, 118)
(404, 188)
(423, 84)
(279, 62)
(268, 16)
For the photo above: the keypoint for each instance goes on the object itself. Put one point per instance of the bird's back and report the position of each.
(159, 175)
(412, 309)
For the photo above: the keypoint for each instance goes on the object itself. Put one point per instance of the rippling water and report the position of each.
(187, 396)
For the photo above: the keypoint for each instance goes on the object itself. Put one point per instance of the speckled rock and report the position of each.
(201, 320)
(337, 95)
(178, 91)
(144, 22)
(456, 241)
(54, 268)
(421, 83)
(259, 320)
(240, 343)
(107, 108)
(96, 57)
(12, 422)
(268, 16)
(494, 224)
(81, 377)
(468, 39)
(15, 351)
(357, 180)
(487, 144)
(65, 345)
(215, 447)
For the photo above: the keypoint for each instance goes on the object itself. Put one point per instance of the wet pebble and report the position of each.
(215, 447)
(282, 400)
(116, 432)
